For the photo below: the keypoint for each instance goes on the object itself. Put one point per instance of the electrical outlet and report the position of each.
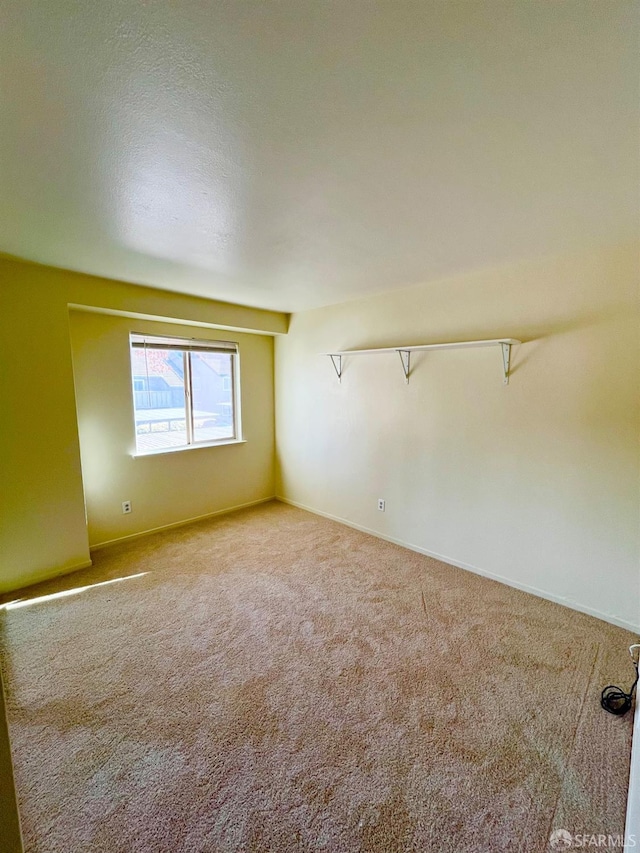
(382, 504)
(126, 507)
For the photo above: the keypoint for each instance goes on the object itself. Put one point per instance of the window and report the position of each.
(185, 392)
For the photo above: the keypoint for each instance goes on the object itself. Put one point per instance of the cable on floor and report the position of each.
(614, 699)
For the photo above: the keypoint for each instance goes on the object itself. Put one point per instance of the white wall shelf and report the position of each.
(405, 353)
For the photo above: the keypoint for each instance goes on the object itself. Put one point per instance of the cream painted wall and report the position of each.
(43, 530)
(536, 483)
(169, 487)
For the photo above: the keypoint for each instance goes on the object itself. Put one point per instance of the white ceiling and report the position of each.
(294, 153)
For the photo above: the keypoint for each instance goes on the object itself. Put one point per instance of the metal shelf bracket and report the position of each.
(506, 361)
(336, 360)
(405, 358)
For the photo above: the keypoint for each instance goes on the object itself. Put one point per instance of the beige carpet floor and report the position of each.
(275, 681)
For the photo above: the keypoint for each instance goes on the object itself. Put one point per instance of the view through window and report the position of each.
(184, 392)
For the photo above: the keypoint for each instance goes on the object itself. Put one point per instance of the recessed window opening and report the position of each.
(185, 392)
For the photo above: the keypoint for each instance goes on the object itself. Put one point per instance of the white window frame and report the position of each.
(186, 346)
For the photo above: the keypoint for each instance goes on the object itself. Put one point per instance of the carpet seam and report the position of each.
(573, 740)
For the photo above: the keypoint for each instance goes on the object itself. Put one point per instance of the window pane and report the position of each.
(158, 398)
(212, 396)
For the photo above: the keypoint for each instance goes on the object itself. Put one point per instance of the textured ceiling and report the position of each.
(302, 152)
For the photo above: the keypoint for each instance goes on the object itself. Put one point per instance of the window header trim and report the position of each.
(183, 344)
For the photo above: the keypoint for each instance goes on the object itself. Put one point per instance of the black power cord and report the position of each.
(614, 699)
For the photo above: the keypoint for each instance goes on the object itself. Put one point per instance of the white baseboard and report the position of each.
(541, 593)
(45, 575)
(174, 524)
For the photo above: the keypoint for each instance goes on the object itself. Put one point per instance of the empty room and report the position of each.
(320, 419)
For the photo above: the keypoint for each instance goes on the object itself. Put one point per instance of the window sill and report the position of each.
(162, 450)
